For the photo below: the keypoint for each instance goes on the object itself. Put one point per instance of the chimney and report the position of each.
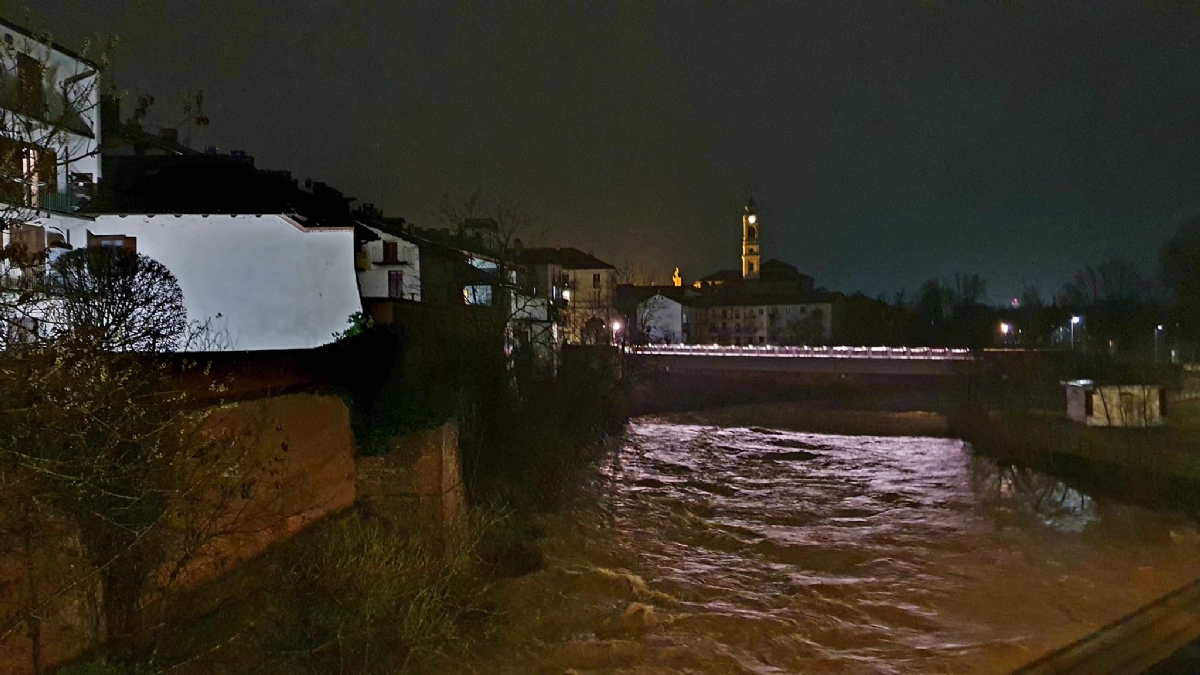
(110, 116)
(169, 134)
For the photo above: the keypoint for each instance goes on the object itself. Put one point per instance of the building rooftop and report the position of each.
(746, 295)
(43, 39)
(568, 258)
(772, 270)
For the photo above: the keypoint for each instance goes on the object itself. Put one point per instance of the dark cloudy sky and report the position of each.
(885, 142)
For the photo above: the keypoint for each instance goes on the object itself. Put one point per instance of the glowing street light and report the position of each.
(616, 328)
(1005, 328)
(1074, 320)
(1157, 330)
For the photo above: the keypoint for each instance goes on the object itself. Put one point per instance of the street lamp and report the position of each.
(616, 328)
(1074, 320)
(1005, 328)
(1157, 330)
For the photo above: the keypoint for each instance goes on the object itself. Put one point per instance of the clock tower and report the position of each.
(751, 260)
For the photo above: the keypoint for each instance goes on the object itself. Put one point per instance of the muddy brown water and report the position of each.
(748, 550)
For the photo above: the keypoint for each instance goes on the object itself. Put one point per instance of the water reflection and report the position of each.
(1016, 495)
(734, 550)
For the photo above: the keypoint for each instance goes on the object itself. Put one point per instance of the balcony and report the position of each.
(61, 202)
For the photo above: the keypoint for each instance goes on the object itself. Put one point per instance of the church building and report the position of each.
(763, 303)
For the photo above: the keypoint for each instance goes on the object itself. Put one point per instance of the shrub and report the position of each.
(366, 597)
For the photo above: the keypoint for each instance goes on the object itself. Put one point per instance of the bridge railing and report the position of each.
(819, 352)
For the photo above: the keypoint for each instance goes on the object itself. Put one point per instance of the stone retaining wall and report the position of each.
(418, 482)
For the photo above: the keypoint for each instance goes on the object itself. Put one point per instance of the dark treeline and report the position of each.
(1111, 307)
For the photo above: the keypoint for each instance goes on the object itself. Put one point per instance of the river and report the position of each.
(744, 550)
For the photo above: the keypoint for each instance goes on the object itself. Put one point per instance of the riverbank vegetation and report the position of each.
(1014, 410)
(349, 595)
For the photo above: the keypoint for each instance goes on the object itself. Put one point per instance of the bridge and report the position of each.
(830, 360)
(692, 377)
(813, 352)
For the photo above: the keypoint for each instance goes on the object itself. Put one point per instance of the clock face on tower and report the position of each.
(752, 219)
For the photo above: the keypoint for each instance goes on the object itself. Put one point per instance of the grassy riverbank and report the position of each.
(1157, 466)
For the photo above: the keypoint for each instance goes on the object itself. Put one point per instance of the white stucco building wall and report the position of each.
(1114, 405)
(660, 320)
(375, 272)
(77, 149)
(266, 282)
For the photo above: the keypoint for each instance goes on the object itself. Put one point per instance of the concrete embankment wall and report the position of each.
(300, 459)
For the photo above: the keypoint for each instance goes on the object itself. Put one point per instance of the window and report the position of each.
(750, 267)
(391, 253)
(112, 240)
(760, 311)
(395, 284)
(477, 295)
(596, 280)
(737, 313)
(751, 233)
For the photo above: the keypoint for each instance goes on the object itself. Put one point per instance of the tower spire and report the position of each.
(751, 258)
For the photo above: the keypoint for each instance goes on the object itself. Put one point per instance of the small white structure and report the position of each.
(265, 282)
(533, 330)
(1125, 405)
(661, 320)
(389, 267)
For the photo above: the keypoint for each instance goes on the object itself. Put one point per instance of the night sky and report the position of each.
(884, 142)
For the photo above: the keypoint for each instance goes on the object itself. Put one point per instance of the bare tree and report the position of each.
(102, 445)
(1115, 281)
(114, 300)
